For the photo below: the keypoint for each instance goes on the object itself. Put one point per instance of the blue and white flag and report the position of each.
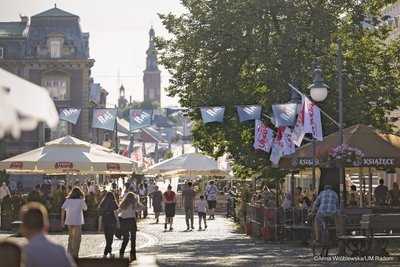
(69, 114)
(171, 111)
(248, 113)
(212, 114)
(284, 114)
(104, 118)
(140, 118)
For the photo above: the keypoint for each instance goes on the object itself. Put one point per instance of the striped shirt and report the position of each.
(327, 201)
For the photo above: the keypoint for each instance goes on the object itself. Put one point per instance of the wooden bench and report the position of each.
(378, 231)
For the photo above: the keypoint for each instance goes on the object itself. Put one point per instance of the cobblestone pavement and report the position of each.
(219, 245)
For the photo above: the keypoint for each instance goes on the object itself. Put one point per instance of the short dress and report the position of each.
(169, 207)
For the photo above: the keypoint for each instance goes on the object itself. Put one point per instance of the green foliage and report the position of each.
(57, 199)
(246, 51)
(10, 206)
(168, 154)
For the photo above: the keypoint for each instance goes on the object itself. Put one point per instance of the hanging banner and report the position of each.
(288, 146)
(140, 118)
(69, 114)
(104, 118)
(276, 151)
(284, 114)
(262, 137)
(249, 112)
(170, 111)
(298, 131)
(312, 119)
(212, 114)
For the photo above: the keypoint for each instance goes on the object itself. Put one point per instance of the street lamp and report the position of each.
(319, 92)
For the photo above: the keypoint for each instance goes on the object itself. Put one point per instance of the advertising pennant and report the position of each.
(288, 146)
(212, 114)
(276, 151)
(284, 114)
(249, 112)
(104, 118)
(262, 137)
(312, 119)
(298, 131)
(69, 114)
(140, 118)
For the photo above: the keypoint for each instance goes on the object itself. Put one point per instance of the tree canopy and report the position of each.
(237, 52)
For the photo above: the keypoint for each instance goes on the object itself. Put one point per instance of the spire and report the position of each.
(151, 61)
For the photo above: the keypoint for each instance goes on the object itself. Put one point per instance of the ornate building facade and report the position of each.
(53, 52)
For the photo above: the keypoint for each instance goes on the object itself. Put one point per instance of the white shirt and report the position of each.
(4, 191)
(202, 206)
(74, 209)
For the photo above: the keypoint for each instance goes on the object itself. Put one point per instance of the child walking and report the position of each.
(202, 211)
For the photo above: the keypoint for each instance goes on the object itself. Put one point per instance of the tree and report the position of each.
(233, 52)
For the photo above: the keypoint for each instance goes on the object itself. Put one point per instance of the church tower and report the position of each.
(152, 75)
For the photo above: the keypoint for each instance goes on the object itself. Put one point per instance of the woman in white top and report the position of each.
(127, 217)
(73, 207)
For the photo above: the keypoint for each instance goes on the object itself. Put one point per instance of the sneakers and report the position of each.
(187, 229)
(205, 227)
(199, 228)
(171, 228)
(192, 227)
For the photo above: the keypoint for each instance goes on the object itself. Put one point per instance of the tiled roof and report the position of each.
(13, 29)
(54, 12)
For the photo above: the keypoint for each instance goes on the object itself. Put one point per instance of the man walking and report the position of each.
(188, 196)
(211, 192)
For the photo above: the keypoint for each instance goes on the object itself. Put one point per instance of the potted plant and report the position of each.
(347, 155)
(268, 231)
(10, 211)
(56, 200)
(91, 214)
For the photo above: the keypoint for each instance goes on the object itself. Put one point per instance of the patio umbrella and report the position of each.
(23, 104)
(69, 155)
(188, 164)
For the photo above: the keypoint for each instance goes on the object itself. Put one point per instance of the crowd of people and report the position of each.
(119, 211)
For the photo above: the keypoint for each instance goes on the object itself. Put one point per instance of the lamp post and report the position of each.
(319, 92)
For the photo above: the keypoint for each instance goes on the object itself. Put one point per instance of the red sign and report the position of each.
(16, 165)
(113, 166)
(64, 165)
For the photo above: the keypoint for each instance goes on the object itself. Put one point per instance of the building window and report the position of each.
(60, 131)
(57, 89)
(55, 49)
(151, 94)
(1, 52)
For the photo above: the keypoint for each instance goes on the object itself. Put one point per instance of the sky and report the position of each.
(119, 37)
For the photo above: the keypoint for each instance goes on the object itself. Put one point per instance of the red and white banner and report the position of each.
(288, 145)
(298, 130)
(312, 119)
(262, 137)
(277, 151)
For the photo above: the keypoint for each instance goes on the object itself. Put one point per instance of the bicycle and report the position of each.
(324, 239)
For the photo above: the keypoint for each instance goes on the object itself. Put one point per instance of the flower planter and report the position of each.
(55, 222)
(268, 234)
(248, 228)
(91, 220)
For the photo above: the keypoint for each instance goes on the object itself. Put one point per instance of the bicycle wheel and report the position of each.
(324, 241)
(313, 244)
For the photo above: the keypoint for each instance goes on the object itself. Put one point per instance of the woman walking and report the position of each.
(157, 200)
(73, 207)
(108, 217)
(127, 213)
(170, 203)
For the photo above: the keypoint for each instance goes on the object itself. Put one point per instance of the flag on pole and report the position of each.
(69, 114)
(212, 114)
(140, 118)
(312, 119)
(284, 114)
(276, 151)
(288, 146)
(262, 137)
(104, 118)
(249, 112)
(298, 130)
